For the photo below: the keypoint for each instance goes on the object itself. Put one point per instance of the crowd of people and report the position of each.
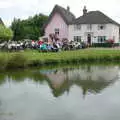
(47, 46)
(54, 44)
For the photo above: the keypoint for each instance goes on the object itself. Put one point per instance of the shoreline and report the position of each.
(32, 58)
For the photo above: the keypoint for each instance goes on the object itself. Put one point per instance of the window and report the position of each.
(77, 38)
(101, 39)
(101, 27)
(77, 27)
(57, 31)
(89, 27)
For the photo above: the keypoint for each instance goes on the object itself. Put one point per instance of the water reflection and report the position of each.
(91, 79)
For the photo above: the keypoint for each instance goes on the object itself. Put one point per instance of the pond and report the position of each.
(85, 92)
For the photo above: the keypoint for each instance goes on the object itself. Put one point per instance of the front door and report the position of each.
(89, 39)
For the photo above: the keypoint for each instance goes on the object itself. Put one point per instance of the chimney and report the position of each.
(68, 8)
(84, 10)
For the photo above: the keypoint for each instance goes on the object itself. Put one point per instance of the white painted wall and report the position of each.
(110, 31)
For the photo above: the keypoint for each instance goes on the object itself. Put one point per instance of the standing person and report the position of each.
(33, 43)
(40, 42)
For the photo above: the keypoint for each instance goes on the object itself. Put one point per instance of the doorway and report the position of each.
(89, 39)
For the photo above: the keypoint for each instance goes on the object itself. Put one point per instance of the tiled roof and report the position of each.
(94, 17)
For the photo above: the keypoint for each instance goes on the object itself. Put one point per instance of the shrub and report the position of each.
(107, 44)
(18, 60)
(3, 63)
(110, 41)
(5, 33)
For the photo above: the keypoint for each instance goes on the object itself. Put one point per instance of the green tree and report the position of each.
(31, 28)
(5, 33)
(17, 28)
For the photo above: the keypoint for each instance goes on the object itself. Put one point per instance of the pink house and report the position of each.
(91, 27)
(58, 22)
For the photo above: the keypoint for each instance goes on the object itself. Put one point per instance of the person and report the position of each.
(33, 43)
(43, 47)
(49, 47)
(40, 42)
(55, 47)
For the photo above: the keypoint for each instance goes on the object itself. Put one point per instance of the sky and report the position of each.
(10, 9)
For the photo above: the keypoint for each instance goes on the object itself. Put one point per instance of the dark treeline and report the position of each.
(31, 28)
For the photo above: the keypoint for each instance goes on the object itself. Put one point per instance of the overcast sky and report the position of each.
(25, 8)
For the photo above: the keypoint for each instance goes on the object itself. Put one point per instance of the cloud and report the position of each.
(5, 4)
(24, 8)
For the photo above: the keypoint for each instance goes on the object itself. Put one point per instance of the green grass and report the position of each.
(34, 58)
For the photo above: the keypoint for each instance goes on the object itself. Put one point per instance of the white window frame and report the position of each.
(101, 39)
(77, 38)
(101, 27)
(89, 26)
(77, 27)
(57, 31)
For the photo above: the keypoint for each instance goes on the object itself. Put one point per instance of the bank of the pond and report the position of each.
(32, 58)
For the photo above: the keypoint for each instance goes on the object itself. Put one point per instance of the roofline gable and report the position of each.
(84, 19)
(107, 19)
(55, 10)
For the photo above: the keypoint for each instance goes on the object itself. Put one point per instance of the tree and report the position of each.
(5, 33)
(30, 28)
(17, 28)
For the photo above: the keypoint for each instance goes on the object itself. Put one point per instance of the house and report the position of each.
(91, 27)
(58, 22)
(94, 27)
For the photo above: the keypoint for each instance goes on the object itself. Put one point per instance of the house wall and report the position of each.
(111, 31)
(57, 22)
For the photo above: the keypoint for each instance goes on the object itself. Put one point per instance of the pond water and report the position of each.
(87, 92)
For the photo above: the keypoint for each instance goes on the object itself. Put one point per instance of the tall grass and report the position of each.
(34, 58)
(3, 63)
(18, 60)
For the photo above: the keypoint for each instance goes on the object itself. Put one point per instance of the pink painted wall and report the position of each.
(57, 22)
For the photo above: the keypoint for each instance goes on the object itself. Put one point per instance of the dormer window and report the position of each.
(101, 27)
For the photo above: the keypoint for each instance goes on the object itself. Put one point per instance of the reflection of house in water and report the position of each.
(57, 81)
(91, 79)
(94, 73)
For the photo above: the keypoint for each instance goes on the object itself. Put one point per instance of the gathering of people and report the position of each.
(50, 44)
(54, 44)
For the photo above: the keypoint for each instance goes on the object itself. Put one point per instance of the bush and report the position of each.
(3, 63)
(17, 61)
(104, 44)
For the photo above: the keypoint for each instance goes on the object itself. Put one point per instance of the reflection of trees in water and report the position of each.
(92, 86)
(20, 76)
(61, 80)
(2, 78)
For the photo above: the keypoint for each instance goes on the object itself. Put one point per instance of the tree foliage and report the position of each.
(5, 33)
(31, 28)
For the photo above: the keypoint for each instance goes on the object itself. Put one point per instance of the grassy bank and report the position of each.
(34, 58)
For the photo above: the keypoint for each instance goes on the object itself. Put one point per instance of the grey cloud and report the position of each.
(24, 8)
